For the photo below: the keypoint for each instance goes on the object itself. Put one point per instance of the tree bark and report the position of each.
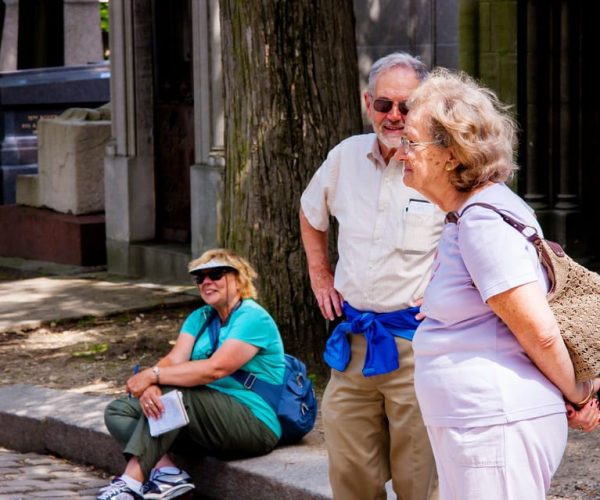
(291, 93)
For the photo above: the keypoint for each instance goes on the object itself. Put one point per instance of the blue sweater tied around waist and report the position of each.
(379, 330)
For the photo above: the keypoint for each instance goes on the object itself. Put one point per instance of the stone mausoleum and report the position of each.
(164, 162)
(165, 166)
(51, 59)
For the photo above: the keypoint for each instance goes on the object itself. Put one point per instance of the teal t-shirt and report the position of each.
(249, 323)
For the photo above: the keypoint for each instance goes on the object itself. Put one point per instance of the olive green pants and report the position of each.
(219, 426)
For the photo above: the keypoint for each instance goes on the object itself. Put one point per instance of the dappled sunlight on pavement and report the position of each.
(29, 303)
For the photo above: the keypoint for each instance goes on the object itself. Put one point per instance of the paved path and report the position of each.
(30, 302)
(41, 419)
(28, 475)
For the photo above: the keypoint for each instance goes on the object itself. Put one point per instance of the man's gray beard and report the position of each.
(389, 142)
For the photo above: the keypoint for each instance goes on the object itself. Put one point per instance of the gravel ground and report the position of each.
(95, 355)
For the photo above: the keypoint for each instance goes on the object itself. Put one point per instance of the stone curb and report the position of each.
(71, 425)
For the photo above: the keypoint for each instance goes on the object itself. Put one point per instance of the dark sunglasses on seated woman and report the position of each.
(385, 106)
(213, 274)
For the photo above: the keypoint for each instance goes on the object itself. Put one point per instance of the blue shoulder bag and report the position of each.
(294, 401)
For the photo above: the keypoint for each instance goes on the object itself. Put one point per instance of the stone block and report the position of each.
(160, 262)
(27, 190)
(28, 95)
(40, 234)
(8, 178)
(71, 164)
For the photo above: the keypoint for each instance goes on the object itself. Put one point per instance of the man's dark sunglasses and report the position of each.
(213, 274)
(385, 106)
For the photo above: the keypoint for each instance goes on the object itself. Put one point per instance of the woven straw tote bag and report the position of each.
(574, 297)
(575, 301)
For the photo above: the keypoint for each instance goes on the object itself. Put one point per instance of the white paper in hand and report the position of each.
(173, 417)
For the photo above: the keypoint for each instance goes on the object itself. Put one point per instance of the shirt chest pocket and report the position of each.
(419, 232)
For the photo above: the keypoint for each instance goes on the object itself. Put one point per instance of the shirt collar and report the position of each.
(375, 154)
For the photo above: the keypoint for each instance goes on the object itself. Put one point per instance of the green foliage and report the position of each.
(104, 16)
(86, 321)
(93, 350)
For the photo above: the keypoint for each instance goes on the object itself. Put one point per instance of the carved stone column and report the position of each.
(536, 175)
(129, 162)
(553, 101)
(83, 38)
(206, 176)
(10, 36)
(567, 197)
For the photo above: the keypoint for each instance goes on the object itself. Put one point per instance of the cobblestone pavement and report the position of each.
(28, 475)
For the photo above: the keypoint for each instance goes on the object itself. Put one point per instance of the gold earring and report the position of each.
(448, 167)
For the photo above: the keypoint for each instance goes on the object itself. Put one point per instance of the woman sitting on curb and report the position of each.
(225, 419)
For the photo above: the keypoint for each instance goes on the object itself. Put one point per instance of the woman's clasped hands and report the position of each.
(143, 387)
(587, 417)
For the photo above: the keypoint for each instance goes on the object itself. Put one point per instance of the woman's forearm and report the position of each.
(229, 357)
(189, 373)
(525, 311)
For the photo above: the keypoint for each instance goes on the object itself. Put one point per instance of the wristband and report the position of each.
(156, 371)
(588, 397)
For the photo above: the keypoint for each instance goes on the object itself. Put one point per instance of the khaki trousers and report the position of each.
(374, 431)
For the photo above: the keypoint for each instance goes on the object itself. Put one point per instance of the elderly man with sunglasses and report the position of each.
(387, 238)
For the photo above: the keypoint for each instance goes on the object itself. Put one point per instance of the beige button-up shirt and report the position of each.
(387, 232)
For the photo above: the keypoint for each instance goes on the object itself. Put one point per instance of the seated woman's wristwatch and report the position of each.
(156, 371)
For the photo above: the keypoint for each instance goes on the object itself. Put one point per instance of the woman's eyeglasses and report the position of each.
(409, 145)
(385, 106)
(213, 274)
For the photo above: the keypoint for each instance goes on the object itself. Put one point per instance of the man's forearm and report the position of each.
(319, 269)
(315, 247)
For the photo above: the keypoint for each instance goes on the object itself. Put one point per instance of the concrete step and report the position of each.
(71, 425)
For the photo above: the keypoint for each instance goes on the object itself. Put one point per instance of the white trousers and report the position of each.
(513, 461)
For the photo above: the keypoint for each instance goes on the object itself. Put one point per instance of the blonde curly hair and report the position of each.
(471, 120)
(245, 272)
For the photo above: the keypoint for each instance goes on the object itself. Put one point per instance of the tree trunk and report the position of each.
(291, 93)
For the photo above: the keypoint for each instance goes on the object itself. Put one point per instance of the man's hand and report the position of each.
(329, 299)
(321, 278)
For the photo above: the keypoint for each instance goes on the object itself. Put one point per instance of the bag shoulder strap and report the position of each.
(269, 392)
(548, 251)
(213, 325)
(209, 323)
(529, 232)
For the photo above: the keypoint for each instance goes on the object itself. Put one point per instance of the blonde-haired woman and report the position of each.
(226, 419)
(491, 369)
